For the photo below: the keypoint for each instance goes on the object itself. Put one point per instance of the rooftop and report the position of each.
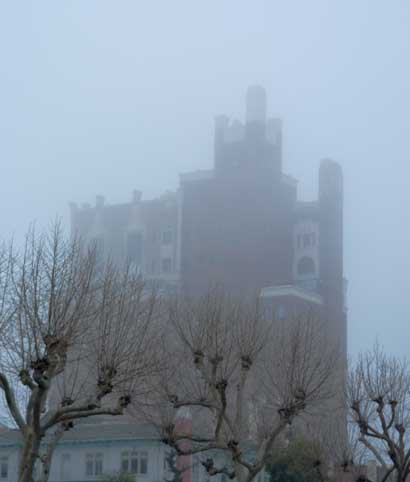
(90, 432)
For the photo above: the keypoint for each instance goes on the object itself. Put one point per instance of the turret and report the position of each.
(331, 248)
(253, 147)
(331, 220)
(332, 283)
(256, 111)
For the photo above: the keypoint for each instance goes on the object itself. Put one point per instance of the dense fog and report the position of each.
(104, 97)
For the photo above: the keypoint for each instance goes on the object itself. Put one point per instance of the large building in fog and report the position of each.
(239, 224)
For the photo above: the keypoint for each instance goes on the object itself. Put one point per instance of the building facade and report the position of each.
(239, 224)
(143, 233)
(97, 449)
(91, 451)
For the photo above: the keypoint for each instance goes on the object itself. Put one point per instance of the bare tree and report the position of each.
(244, 378)
(379, 399)
(77, 340)
(339, 456)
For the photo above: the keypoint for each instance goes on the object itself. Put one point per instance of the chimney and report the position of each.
(136, 196)
(256, 104)
(99, 201)
(255, 113)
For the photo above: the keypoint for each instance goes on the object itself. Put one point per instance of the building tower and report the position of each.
(238, 224)
(332, 283)
(236, 219)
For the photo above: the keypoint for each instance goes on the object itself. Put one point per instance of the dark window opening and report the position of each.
(306, 266)
(167, 237)
(134, 248)
(134, 462)
(306, 240)
(94, 464)
(166, 265)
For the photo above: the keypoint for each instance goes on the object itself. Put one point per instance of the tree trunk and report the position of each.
(29, 457)
(48, 456)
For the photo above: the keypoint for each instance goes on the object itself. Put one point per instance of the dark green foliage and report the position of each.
(299, 462)
(281, 472)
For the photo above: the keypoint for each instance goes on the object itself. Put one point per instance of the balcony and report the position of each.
(308, 284)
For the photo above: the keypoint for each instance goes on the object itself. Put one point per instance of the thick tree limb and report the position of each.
(11, 402)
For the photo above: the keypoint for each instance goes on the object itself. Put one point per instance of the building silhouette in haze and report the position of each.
(239, 224)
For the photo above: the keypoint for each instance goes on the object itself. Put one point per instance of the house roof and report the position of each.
(97, 431)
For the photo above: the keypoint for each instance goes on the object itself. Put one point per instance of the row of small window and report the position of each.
(165, 267)
(134, 243)
(131, 462)
(165, 237)
(306, 240)
(134, 251)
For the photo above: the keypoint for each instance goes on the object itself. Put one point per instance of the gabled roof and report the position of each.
(89, 432)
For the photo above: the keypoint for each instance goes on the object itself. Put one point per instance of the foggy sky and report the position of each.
(101, 97)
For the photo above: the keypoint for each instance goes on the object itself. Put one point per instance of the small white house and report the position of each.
(94, 449)
(91, 450)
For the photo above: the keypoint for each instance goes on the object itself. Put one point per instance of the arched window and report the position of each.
(306, 266)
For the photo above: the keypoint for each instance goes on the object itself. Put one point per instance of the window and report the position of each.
(167, 236)
(143, 462)
(65, 467)
(166, 265)
(93, 464)
(306, 266)
(134, 462)
(313, 237)
(134, 248)
(306, 240)
(4, 467)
